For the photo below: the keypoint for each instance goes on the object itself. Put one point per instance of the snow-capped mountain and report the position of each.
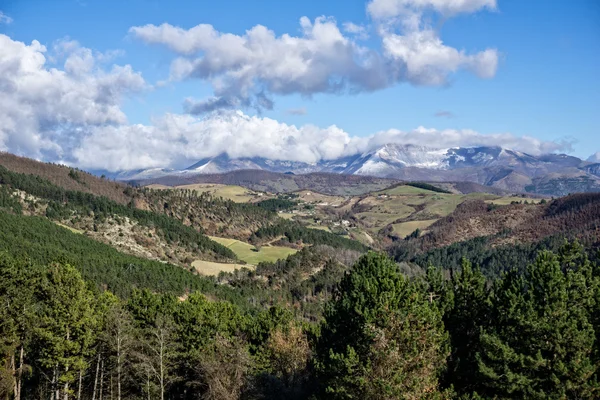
(595, 158)
(491, 166)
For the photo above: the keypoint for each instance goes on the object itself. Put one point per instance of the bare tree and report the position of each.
(119, 339)
(158, 351)
(223, 368)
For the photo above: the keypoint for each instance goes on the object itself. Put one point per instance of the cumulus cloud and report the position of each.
(43, 110)
(241, 68)
(178, 140)
(359, 31)
(323, 58)
(5, 19)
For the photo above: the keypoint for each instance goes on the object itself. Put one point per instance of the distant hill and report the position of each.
(67, 178)
(550, 174)
(260, 180)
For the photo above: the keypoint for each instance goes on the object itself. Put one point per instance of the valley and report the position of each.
(299, 200)
(251, 270)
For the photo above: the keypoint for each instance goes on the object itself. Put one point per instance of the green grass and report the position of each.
(285, 215)
(213, 268)
(320, 227)
(246, 251)
(68, 227)
(406, 228)
(507, 200)
(230, 192)
(407, 190)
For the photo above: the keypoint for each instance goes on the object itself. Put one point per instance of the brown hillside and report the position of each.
(273, 182)
(577, 214)
(65, 177)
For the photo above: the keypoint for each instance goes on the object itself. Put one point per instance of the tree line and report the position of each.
(530, 334)
(294, 232)
(43, 242)
(63, 203)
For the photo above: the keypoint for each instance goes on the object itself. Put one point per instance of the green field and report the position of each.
(246, 251)
(404, 229)
(406, 190)
(213, 268)
(285, 215)
(507, 200)
(230, 192)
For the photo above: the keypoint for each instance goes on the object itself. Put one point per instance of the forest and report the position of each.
(512, 314)
(532, 333)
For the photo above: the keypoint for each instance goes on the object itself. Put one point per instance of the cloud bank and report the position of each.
(247, 70)
(63, 104)
(45, 110)
(179, 140)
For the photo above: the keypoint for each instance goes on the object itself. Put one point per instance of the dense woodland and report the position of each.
(530, 334)
(514, 313)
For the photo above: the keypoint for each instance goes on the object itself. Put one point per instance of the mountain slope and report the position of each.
(490, 166)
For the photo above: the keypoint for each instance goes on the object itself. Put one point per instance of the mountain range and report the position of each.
(550, 174)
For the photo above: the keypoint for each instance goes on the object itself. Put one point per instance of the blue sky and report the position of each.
(545, 84)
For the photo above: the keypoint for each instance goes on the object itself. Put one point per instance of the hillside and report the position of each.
(165, 225)
(265, 181)
(499, 237)
(496, 167)
(67, 178)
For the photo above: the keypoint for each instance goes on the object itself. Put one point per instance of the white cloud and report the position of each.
(418, 48)
(358, 31)
(322, 59)
(382, 9)
(595, 158)
(5, 19)
(181, 140)
(44, 111)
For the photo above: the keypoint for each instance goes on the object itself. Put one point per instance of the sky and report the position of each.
(131, 84)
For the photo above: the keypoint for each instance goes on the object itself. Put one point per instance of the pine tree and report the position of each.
(464, 320)
(382, 338)
(540, 343)
(67, 326)
(18, 320)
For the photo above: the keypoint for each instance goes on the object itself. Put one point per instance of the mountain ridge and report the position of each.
(493, 166)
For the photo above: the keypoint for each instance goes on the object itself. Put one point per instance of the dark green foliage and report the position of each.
(8, 201)
(294, 232)
(492, 261)
(415, 234)
(381, 338)
(540, 340)
(303, 280)
(427, 186)
(464, 318)
(64, 202)
(278, 204)
(42, 241)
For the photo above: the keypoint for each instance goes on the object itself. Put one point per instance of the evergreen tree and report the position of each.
(464, 320)
(18, 310)
(541, 341)
(382, 338)
(67, 326)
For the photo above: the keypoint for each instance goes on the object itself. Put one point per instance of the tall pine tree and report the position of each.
(540, 343)
(382, 338)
